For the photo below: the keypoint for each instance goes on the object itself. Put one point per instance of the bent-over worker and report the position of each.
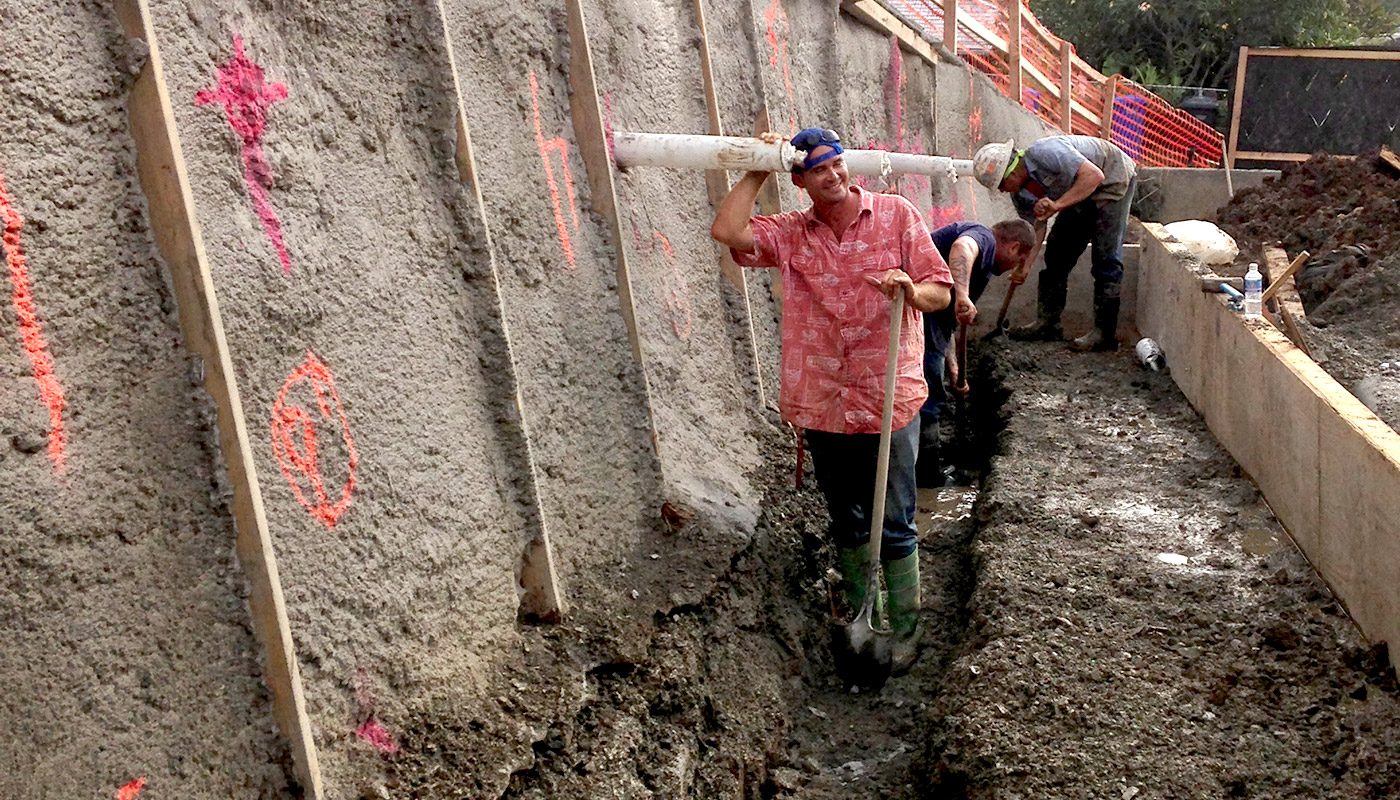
(842, 261)
(974, 253)
(1089, 183)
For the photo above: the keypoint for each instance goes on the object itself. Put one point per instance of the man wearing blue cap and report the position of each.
(837, 259)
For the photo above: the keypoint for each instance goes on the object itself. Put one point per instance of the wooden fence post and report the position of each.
(1013, 47)
(950, 26)
(1066, 87)
(1110, 90)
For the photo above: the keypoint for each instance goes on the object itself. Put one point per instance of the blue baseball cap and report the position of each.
(809, 139)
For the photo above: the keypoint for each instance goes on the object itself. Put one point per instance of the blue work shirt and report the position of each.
(939, 325)
(1054, 162)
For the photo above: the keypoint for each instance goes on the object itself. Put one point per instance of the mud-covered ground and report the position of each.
(1119, 612)
(1141, 625)
(1346, 214)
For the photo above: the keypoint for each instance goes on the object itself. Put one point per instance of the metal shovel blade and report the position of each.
(860, 650)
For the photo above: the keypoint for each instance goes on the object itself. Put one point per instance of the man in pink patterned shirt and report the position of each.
(842, 261)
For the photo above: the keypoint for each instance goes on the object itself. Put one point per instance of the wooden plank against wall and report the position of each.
(1328, 466)
(1066, 87)
(717, 183)
(1110, 91)
(543, 597)
(950, 26)
(1014, 12)
(1240, 67)
(160, 164)
(1358, 55)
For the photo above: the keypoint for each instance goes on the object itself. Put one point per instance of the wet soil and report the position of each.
(1346, 213)
(1142, 626)
(1116, 614)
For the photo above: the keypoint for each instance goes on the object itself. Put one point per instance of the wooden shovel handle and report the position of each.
(882, 466)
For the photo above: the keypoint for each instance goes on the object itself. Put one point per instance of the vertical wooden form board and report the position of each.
(717, 184)
(165, 182)
(542, 595)
(597, 161)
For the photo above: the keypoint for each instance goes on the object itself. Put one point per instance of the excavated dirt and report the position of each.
(1142, 626)
(1346, 213)
(1121, 617)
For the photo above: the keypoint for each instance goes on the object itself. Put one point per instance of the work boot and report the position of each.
(1104, 335)
(1049, 304)
(902, 578)
(927, 469)
(853, 564)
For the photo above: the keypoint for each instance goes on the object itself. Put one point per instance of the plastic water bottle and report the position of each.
(1253, 292)
(1149, 354)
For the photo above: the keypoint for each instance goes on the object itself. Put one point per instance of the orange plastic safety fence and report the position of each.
(1157, 135)
(1144, 125)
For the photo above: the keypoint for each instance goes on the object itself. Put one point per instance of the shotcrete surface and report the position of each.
(127, 644)
(403, 608)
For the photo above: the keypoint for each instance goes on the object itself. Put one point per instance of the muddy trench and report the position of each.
(1117, 611)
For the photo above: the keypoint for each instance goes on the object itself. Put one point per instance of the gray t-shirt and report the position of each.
(1053, 162)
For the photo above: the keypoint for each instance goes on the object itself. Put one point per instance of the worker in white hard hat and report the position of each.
(1089, 184)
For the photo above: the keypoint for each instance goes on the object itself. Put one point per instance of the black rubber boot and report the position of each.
(927, 470)
(1104, 336)
(1049, 305)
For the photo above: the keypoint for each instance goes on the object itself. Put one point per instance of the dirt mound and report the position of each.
(1344, 212)
(1320, 205)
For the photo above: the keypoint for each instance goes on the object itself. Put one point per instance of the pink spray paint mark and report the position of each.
(377, 737)
(132, 789)
(246, 98)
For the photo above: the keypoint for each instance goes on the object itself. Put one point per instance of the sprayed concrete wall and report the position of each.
(475, 362)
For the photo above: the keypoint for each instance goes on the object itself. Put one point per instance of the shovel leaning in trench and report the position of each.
(862, 648)
(1001, 316)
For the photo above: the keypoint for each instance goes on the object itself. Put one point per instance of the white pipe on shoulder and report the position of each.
(745, 154)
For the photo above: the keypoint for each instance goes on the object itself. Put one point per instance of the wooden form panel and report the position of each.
(1329, 468)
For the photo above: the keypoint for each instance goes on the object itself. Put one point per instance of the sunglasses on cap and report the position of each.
(812, 138)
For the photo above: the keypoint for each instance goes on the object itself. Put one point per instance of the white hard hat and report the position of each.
(990, 163)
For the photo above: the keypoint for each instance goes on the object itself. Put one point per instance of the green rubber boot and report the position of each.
(902, 578)
(852, 562)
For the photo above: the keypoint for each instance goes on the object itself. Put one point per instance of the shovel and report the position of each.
(862, 648)
(1001, 316)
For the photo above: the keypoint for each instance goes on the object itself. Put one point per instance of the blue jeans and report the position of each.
(844, 464)
(936, 406)
(1077, 227)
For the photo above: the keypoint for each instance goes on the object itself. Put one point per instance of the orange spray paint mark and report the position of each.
(31, 333)
(560, 146)
(678, 301)
(974, 126)
(289, 420)
(132, 789)
(778, 54)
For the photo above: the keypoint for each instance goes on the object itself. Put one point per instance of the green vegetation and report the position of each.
(1196, 42)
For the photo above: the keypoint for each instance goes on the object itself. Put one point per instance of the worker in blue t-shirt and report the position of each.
(974, 253)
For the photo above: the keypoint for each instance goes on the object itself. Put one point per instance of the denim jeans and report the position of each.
(936, 406)
(1082, 224)
(844, 464)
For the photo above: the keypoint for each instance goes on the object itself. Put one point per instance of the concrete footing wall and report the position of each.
(1329, 468)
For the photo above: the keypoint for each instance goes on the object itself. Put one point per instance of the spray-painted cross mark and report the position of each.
(246, 98)
(291, 421)
(558, 146)
(31, 333)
